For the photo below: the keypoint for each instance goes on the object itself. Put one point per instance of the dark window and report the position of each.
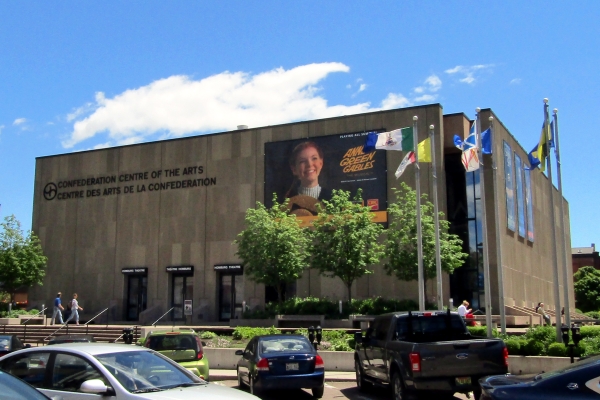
(30, 367)
(382, 329)
(70, 372)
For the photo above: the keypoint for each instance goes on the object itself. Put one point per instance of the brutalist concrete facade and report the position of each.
(175, 206)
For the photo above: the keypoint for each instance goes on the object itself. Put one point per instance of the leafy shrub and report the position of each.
(330, 308)
(513, 346)
(557, 350)
(245, 332)
(589, 331)
(593, 314)
(208, 335)
(534, 347)
(481, 331)
(588, 346)
(16, 313)
(545, 335)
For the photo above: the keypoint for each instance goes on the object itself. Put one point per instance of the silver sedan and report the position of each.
(82, 371)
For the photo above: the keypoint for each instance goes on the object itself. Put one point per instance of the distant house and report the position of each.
(585, 257)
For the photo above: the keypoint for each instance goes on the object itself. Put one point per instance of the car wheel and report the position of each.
(361, 383)
(318, 392)
(398, 391)
(253, 389)
(239, 378)
(477, 393)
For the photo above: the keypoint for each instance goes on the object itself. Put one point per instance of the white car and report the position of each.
(83, 371)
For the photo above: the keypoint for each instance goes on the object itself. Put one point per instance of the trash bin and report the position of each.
(128, 335)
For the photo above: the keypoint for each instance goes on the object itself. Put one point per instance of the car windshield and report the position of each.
(145, 371)
(279, 344)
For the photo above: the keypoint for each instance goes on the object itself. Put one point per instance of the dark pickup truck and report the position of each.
(426, 352)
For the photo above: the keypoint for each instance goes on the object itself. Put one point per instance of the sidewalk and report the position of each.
(330, 376)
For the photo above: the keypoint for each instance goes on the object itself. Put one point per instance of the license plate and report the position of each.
(291, 367)
(463, 380)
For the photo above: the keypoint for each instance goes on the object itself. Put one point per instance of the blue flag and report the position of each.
(370, 142)
(470, 141)
(486, 141)
(532, 156)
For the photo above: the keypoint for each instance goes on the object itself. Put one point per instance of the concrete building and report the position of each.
(142, 228)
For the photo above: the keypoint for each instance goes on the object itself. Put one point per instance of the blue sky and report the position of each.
(83, 75)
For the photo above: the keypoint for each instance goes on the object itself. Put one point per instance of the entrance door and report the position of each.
(137, 288)
(183, 289)
(231, 296)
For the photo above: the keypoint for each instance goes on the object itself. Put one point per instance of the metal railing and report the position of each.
(29, 319)
(66, 324)
(161, 317)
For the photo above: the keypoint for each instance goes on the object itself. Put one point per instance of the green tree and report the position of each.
(401, 243)
(587, 289)
(345, 239)
(22, 261)
(273, 247)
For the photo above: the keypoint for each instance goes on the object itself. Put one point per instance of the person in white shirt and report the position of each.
(74, 310)
(463, 310)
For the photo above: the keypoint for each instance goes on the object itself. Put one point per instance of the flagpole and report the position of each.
(438, 259)
(486, 263)
(552, 224)
(500, 268)
(421, 276)
(561, 209)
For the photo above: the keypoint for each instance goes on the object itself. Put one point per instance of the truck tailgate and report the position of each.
(475, 357)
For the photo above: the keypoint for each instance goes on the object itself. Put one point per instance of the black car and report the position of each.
(10, 343)
(71, 339)
(281, 362)
(580, 380)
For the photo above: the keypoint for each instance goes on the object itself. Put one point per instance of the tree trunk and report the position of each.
(349, 286)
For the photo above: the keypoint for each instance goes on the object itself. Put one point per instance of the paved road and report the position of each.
(333, 390)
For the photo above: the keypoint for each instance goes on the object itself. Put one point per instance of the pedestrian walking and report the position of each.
(58, 309)
(74, 310)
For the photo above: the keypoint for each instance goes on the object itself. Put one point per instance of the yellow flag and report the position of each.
(424, 150)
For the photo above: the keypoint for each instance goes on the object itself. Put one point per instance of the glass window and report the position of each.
(529, 202)
(510, 191)
(70, 372)
(520, 195)
(30, 367)
(145, 371)
(14, 389)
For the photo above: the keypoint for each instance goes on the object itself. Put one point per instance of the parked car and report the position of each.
(183, 346)
(78, 371)
(71, 339)
(281, 362)
(10, 343)
(580, 380)
(426, 352)
(15, 389)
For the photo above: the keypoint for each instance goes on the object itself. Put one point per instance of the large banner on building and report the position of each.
(305, 171)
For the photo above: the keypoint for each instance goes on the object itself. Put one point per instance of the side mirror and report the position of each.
(203, 343)
(239, 352)
(96, 386)
(358, 338)
(27, 346)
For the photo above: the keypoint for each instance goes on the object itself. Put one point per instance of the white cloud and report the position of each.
(468, 73)
(515, 81)
(179, 105)
(19, 121)
(395, 101)
(431, 84)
